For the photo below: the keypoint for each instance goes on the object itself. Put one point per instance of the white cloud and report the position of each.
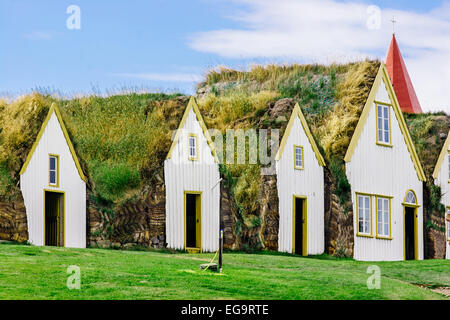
(163, 77)
(326, 31)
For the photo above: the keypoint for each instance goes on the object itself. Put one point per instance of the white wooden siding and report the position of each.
(36, 179)
(442, 180)
(386, 171)
(308, 182)
(202, 176)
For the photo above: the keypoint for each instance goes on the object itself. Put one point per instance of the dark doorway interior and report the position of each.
(299, 221)
(409, 234)
(54, 219)
(191, 220)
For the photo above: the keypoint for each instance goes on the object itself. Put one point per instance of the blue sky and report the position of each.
(169, 45)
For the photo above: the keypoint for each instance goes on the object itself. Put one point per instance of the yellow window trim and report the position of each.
(295, 158)
(63, 213)
(448, 223)
(196, 158)
(412, 205)
(57, 170)
(383, 76)
(54, 109)
(305, 225)
(441, 158)
(382, 143)
(364, 235)
(378, 236)
(192, 105)
(297, 113)
(198, 207)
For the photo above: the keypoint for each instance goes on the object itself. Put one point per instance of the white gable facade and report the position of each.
(442, 179)
(36, 185)
(381, 173)
(198, 176)
(303, 181)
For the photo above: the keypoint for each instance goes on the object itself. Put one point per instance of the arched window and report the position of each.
(410, 198)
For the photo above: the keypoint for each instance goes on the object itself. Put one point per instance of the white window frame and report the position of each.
(302, 159)
(448, 224)
(385, 129)
(383, 217)
(361, 212)
(448, 159)
(193, 137)
(56, 170)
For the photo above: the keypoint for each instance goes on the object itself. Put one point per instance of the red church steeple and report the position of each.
(401, 81)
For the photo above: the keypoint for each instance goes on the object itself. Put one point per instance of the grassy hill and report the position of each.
(29, 272)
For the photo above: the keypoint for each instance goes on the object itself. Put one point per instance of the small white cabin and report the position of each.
(441, 177)
(54, 188)
(300, 184)
(191, 174)
(386, 180)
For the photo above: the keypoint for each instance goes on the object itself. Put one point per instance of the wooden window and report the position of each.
(449, 166)
(53, 176)
(364, 211)
(383, 217)
(193, 147)
(410, 198)
(448, 223)
(383, 124)
(298, 158)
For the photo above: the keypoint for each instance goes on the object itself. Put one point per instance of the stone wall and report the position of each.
(435, 242)
(228, 218)
(270, 215)
(339, 239)
(13, 220)
(141, 223)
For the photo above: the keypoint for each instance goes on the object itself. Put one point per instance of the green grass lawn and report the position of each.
(28, 272)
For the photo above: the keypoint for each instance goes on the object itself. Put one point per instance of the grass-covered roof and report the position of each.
(122, 140)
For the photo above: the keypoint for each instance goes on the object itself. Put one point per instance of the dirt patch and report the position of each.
(442, 290)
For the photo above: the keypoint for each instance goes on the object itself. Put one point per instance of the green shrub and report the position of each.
(6, 184)
(343, 188)
(112, 181)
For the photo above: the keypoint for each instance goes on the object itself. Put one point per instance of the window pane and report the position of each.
(52, 163)
(53, 177)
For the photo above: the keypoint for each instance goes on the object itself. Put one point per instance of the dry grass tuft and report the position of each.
(335, 130)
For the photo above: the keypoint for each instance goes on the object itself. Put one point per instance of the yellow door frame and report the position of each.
(305, 224)
(416, 238)
(63, 193)
(198, 214)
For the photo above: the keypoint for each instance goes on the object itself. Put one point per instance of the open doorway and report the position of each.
(193, 218)
(410, 234)
(300, 226)
(54, 218)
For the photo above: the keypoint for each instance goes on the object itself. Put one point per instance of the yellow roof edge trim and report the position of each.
(383, 75)
(297, 112)
(441, 158)
(364, 115)
(54, 109)
(193, 105)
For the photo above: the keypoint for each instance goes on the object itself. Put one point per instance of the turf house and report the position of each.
(300, 187)
(54, 187)
(441, 177)
(191, 175)
(324, 119)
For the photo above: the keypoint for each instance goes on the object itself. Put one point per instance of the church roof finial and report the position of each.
(393, 24)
